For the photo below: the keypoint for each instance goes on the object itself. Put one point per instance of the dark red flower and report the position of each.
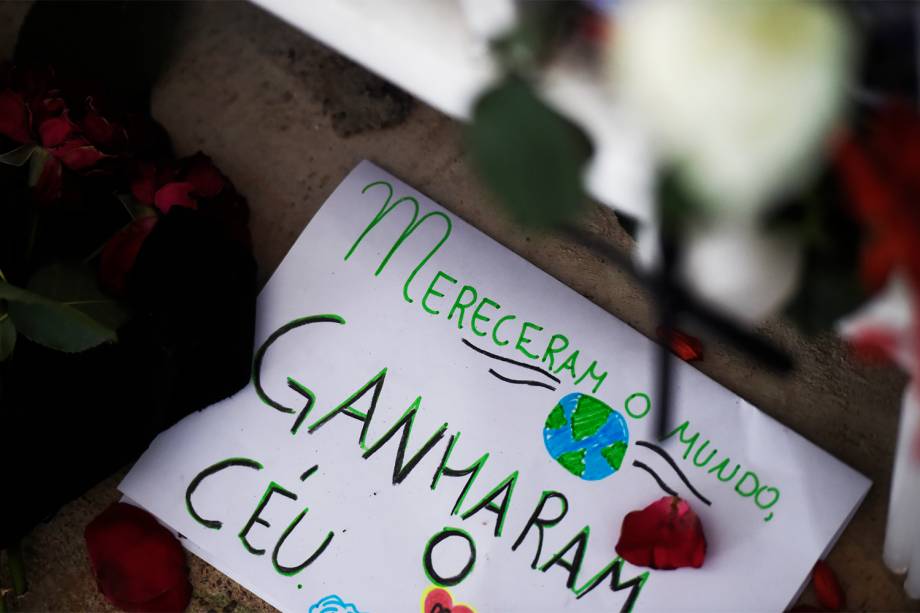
(687, 348)
(665, 535)
(101, 130)
(175, 194)
(827, 588)
(120, 252)
(204, 176)
(53, 132)
(193, 182)
(138, 564)
(147, 177)
(15, 122)
(881, 172)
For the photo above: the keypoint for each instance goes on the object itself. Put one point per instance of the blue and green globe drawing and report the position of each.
(586, 437)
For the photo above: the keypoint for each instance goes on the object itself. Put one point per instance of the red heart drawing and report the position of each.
(439, 600)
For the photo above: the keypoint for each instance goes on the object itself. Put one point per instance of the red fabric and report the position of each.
(138, 564)
(665, 535)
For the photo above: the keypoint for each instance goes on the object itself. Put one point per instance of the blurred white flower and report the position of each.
(736, 267)
(739, 95)
(741, 268)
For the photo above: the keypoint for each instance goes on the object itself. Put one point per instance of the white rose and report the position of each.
(740, 95)
(735, 266)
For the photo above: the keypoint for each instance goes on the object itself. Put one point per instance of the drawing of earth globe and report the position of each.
(586, 437)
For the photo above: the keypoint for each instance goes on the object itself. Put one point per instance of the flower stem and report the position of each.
(17, 568)
(2, 601)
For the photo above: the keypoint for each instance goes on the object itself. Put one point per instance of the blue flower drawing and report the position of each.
(333, 604)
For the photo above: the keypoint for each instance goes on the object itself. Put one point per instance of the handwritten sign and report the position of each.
(434, 424)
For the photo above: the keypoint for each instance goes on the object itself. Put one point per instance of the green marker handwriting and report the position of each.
(747, 483)
(467, 306)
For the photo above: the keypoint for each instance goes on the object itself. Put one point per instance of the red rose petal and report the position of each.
(55, 131)
(120, 252)
(204, 176)
(138, 564)
(77, 154)
(14, 117)
(143, 182)
(687, 348)
(174, 194)
(665, 535)
(827, 588)
(101, 132)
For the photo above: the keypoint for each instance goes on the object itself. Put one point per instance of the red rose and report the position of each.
(138, 564)
(119, 253)
(193, 182)
(182, 183)
(14, 117)
(665, 535)
(173, 194)
(881, 172)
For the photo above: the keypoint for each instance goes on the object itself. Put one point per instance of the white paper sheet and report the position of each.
(330, 326)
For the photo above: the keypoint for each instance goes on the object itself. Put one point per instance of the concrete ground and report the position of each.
(286, 119)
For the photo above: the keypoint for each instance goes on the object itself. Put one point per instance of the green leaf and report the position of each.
(40, 157)
(18, 156)
(529, 155)
(7, 336)
(63, 309)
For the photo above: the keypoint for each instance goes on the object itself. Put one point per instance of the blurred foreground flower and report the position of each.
(738, 96)
(138, 564)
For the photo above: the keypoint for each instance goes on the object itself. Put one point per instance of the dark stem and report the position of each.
(719, 325)
(17, 568)
(668, 310)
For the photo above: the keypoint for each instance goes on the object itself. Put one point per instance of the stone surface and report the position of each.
(269, 106)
